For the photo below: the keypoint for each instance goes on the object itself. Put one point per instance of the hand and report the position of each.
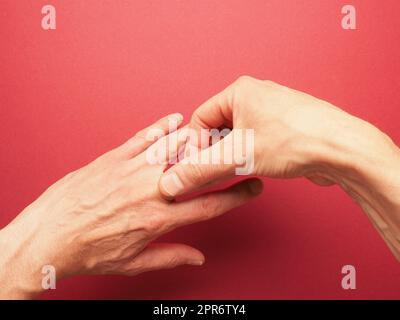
(101, 219)
(297, 135)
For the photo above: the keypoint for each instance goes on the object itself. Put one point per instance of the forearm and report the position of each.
(366, 164)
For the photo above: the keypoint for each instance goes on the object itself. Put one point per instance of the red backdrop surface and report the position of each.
(113, 67)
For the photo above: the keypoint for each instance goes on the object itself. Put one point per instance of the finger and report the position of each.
(146, 137)
(165, 256)
(213, 204)
(166, 151)
(199, 169)
(215, 112)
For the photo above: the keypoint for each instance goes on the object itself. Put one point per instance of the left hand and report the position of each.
(102, 218)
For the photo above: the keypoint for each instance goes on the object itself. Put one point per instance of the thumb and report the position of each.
(158, 256)
(209, 165)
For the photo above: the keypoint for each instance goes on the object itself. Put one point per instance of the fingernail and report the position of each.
(256, 186)
(171, 184)
(176, 116)
(196, 262)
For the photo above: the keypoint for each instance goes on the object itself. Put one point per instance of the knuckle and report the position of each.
(244, 78)
(241, 88)
(155, 224)
(194, 174)
(141, 135)
(244, 81)
(209, 207)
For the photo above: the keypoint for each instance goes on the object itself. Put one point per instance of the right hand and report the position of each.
(295, 135)
(298, 135)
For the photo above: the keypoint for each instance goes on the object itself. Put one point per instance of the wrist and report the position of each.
(26, 249)
(359, 156)
(20, 275)
(366, 164)
(30, 242)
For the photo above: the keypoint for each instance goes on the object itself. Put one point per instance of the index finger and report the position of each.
(215, 112)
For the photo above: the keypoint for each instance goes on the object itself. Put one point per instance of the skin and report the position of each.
(297, 135)
(103, 219)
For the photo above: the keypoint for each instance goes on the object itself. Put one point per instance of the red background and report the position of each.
(113, 67)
